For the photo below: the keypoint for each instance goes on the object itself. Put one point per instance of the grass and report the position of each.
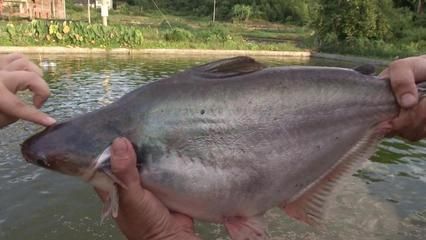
(264, 33)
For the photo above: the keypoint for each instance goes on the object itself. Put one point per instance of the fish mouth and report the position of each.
(31, 153)
(55, 162)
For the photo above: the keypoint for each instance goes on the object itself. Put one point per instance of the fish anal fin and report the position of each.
(229, 67)
(246, 228)
(308, 207)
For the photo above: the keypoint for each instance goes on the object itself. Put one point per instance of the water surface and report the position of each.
(384, 200)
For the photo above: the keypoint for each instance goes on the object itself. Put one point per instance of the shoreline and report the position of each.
(189, 52)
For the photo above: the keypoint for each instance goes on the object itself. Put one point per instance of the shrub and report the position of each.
(74, 33)
(178, 34)
(215, 32)
(241, 12)
(352, 19)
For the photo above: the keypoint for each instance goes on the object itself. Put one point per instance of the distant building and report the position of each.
(33, 9)
(93, 3)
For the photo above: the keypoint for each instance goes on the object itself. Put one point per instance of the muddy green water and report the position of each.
(384, 200)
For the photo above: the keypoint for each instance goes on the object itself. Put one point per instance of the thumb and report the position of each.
(123, 163)
(403, 84)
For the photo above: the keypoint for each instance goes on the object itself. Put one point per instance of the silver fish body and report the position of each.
(237, 147)
(232, 138)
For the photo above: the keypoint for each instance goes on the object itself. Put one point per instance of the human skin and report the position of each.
(404, 74)
(17, 73)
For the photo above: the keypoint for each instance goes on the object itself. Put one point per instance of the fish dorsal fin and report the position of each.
(229, 67)
(366, 69)
(308, 207)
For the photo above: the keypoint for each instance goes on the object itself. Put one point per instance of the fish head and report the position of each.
(77, 148)
(64, 148)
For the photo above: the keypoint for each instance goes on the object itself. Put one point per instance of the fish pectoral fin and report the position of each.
(308, 207)
(246, 228)
(229, 67)
(103, 164)
(110, 205)
(114, 178)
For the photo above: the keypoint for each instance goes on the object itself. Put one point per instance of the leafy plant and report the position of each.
(241, 12)
(178, 34)
(75, 33)
(353, 19)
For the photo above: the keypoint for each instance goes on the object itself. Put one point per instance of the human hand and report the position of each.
(141, 215)
(17, 73)
(404, 74)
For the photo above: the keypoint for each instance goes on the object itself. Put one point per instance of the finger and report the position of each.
(123, 162)
(134, 199)
(6, 59)
(22, 80)
(183, 220)
(14, 107)
(23, 64)
(384, 74)
(419, 68)
(6, 120)
(410, 124)
(403, 83)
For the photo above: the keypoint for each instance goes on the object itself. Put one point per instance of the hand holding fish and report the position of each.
(17, 73)
(404, 74)
(141, 215)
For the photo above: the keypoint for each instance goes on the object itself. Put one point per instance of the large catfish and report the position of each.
(228, 140)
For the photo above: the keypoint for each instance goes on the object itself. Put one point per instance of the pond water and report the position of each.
(384, 200)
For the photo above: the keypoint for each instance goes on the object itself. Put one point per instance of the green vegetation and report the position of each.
(369, 28)
(82, 34)
(72, 33)
(288, 11)
(375, 28)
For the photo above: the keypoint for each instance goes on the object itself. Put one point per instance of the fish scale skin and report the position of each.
(212, 151)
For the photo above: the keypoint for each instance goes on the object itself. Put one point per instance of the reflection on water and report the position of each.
(386, 199)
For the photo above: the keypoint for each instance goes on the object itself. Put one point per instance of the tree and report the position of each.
(420, 7)
(349, 20)
(410, 4)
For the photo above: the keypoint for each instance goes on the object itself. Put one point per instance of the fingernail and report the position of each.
(119, 147)
(49, 121)
(408, 100)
